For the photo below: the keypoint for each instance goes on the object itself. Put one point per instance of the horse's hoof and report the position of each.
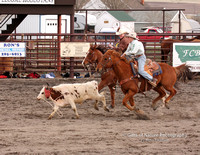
(154, 106)
(111, 107)
(144, 117)
(141, 115)
(167, 106)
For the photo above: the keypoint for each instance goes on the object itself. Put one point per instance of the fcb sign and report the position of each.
(188, 53)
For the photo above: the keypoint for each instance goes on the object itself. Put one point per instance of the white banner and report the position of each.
(12, 49)
(38, 2)
(74, 49)
(188, 53)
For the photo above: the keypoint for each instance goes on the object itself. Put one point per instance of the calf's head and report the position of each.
(44, 93)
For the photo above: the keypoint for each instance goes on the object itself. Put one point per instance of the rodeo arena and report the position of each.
(69, 87)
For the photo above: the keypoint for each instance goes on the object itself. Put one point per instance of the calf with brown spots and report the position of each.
(65, 94)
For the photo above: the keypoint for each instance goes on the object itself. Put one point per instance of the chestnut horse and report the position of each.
(129, 84)
(167, 45)
(94, 55)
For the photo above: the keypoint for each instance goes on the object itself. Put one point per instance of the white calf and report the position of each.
(64, 94)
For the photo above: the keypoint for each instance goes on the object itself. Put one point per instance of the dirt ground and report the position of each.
(24, 128)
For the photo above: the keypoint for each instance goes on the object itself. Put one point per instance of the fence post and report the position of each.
(71, 39)
(59, 42)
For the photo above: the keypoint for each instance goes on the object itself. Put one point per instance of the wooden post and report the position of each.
(71, 39)
(179, 17)
(163, 23)
(59, 42)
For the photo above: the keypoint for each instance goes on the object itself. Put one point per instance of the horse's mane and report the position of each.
(117, 54)
(102, 48)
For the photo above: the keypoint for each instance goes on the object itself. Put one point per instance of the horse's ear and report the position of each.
(92, 46)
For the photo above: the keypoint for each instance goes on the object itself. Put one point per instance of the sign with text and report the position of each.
(188, 53)
(74, 49)
(38, 2)
(12, 49)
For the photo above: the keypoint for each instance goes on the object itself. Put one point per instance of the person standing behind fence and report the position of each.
(135, 49)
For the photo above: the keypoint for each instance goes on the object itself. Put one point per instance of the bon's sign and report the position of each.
(188, 53)
(12, 49)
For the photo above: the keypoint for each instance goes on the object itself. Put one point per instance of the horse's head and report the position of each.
(109, 58)
(91, 57)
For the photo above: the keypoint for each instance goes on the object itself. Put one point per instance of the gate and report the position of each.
(42, 52)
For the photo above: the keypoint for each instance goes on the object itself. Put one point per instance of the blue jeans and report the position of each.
(141, 62)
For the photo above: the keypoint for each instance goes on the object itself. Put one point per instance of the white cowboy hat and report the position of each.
(121, 31)
(132, 35)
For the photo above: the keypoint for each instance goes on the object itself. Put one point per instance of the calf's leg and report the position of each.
(55, 108)
(73, 105)
(101, 97)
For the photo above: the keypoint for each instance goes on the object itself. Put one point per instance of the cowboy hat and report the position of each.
(132, 35)
(121, 31)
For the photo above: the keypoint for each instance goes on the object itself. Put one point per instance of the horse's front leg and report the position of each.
(127, 98)
(140, 113)
(112, 93)
(104, 83)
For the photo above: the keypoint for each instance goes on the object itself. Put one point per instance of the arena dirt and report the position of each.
(24, 128)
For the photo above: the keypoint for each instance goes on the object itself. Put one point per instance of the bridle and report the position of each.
(107, 61)
(91, 54)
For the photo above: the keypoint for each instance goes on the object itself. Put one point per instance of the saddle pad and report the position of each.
(154, 69)
(157, 71)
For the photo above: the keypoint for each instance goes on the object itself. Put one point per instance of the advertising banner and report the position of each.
(12, 49)
(74, 49)
(188, 53)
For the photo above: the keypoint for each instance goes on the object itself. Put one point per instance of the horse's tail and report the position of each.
(183, 73)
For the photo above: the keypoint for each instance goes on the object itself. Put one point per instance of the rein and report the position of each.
(126, 80)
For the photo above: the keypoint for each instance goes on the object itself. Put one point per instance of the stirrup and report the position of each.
(152, 83)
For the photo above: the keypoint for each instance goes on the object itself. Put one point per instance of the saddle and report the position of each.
(151, 67)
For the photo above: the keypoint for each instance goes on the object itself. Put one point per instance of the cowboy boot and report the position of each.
(153, 82)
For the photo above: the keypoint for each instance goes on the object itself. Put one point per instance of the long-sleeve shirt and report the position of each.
(135, 48)
(123, 44)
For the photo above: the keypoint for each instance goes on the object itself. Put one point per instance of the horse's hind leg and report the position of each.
(162, 93)
(172, 93)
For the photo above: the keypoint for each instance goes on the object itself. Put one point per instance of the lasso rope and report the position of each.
(58, 111)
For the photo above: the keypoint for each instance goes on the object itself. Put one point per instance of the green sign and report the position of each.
(188, 53)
